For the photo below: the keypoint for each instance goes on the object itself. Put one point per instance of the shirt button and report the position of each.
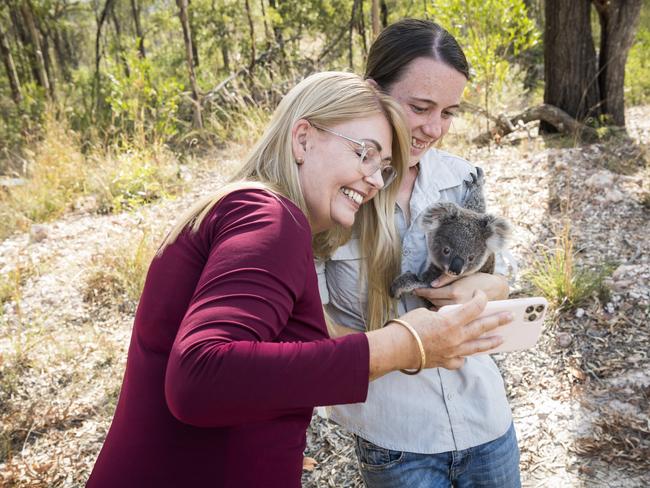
(406, 252)
(449, 396)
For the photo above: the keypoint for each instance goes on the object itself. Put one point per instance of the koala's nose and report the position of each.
(456, 265)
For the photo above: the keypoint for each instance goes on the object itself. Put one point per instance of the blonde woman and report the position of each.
(230, 351)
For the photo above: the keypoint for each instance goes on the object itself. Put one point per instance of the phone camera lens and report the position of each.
(532, 317)
(540, 308)
(529, 309)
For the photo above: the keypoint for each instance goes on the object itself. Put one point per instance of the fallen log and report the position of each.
(550, 114)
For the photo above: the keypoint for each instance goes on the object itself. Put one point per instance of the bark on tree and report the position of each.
(618, 23)
(187, 37)
(361, 29)
(570, 69)
(384, 14)
(10, 67)
(277, 30)
(267, 32)
(577, 80)
(195, 51)
(351, 32)
(61, 55)
(138, 28)
(251, 31)
(108, 6)
(47, 59)
(374, 14)
(71, 52)
(24, 65)
(39, 62)
(118, 43)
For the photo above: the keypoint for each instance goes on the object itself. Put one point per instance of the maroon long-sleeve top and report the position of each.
(229, 355)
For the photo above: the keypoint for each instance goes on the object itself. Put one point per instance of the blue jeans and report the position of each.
(494, 464)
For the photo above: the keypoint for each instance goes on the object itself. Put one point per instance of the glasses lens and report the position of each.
(371, 162)
(370, 159)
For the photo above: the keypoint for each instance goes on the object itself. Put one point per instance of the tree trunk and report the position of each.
(267, 32)
(187, 37)
(384, 14)
(10, 67)
(618, 23)
(39, 62)
(361, 29)
(61, 55)
(71, 53)
(225, 54)
(251, 28)
(138, 27)
(118, 43)
(374, 14)
(195, 50)
(570, 59)
(351, 32)
(25, 66)
(108, 6)
(47, 59)
(277, 30)
(576, 80)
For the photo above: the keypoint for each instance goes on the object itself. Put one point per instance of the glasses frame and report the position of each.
(364, 150)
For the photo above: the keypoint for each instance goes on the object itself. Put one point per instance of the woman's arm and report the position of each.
(233, 360)
(447, 338)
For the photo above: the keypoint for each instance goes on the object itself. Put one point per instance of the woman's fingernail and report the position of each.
(435, 283)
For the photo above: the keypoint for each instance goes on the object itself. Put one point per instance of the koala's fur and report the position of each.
(460, 240)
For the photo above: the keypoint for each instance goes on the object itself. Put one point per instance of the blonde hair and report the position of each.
(326, 99)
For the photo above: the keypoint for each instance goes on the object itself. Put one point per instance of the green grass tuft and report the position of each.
(555, 274)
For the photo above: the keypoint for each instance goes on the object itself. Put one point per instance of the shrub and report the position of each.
(556, 275)
(637, 68)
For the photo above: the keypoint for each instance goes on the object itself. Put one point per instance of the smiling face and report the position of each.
(329, 170)
(429, 92)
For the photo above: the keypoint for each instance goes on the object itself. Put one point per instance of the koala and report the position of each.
(461, 240)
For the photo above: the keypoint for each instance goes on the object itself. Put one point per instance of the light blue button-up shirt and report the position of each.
(437, 410)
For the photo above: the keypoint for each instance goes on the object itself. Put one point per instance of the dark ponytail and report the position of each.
(402, 42)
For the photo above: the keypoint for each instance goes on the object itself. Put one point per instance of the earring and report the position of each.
(299, 161)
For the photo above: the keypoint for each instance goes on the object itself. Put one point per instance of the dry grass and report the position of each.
(118, 275)
(618, 437)
(555, 273)
(12, 281)
(60, 172)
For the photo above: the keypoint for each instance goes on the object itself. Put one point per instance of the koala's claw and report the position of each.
(405, 283)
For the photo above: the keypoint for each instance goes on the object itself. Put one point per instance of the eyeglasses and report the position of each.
(369, 158)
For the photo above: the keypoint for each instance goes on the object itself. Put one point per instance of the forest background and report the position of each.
(160, 80)
(116, 114)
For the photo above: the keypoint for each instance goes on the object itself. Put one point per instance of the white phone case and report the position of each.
(525, 328)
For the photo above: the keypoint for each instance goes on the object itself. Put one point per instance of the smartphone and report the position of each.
(526, 326)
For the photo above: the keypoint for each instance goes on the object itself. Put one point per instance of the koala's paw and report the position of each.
(405, 283)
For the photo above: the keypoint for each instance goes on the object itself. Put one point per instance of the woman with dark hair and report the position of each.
(441, 427)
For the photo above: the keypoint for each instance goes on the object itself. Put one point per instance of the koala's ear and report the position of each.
(499, 230)
(431, 217)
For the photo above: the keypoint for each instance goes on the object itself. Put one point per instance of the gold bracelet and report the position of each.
(416, 336)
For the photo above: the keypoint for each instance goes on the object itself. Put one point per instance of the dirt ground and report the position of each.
(580, 399)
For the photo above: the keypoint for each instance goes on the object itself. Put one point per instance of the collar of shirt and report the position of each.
(434, 176)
